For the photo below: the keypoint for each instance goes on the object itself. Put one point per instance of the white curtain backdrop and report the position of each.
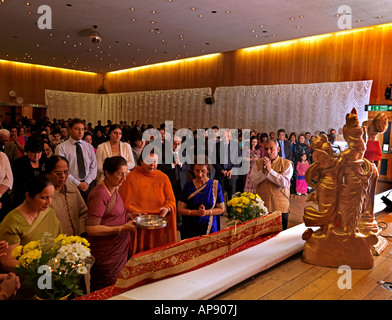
(294, 107)
(185, 107)
(64, 105)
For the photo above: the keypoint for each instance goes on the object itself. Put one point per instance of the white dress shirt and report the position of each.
(67, 149)
(6, 177)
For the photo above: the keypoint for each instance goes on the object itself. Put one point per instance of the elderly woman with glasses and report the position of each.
(109, 226)
(67, 202)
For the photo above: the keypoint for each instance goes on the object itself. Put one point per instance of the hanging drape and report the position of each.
(294, 107)
(64, 105)
(185, 107)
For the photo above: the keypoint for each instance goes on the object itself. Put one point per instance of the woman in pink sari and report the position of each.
(109, 228)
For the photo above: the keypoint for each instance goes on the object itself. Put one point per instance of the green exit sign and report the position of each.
(378, 107)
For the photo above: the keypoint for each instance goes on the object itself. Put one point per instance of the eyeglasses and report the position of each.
(121, 175)
(60, 173)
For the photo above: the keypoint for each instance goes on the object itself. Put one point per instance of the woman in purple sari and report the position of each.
(201, 203)
(109, 227)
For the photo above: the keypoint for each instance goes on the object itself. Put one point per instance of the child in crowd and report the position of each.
(301, 185)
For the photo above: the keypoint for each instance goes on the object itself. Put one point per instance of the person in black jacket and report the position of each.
(224, 163)
(26, 167)
(284, 145)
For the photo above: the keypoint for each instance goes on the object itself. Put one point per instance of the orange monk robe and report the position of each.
(147, 192)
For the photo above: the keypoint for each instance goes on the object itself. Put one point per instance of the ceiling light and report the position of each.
(261, 26)
(292, 19)
(379, 17)
(301, 17)
(298, 27)
(227, 11)
(200, 16)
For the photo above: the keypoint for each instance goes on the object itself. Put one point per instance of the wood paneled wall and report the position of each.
(361, 54)
(30, 81)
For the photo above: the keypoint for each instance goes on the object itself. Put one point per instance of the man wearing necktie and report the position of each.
(177, 170)
(284, 145)
(224, 164)
(81, 158)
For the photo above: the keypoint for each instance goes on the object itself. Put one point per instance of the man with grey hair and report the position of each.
(10, 149)
(271, 177)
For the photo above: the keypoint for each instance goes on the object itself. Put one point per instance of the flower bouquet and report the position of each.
(52, 268)
(246, 206)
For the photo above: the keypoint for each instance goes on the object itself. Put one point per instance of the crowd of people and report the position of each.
(70, 177)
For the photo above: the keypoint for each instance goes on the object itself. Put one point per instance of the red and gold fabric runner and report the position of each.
(190, 254)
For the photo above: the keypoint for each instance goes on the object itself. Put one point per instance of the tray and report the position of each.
(151, 221)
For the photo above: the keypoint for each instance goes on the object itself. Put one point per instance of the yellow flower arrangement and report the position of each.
(246, 206)
(67, 258)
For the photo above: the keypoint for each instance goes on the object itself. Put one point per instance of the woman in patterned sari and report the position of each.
(109, 227)
(201, 203)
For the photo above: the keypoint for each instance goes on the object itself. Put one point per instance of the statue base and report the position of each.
(380, 246)
(331, 249)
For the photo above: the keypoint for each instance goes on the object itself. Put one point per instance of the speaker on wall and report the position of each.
(209, 100)
(388, 92)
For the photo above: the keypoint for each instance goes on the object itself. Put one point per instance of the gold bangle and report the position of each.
(210, 212)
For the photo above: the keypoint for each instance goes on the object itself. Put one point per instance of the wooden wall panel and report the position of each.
(362, 54)
(30, 81)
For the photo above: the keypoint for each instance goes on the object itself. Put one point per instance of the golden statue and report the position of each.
(341, 184)
(367, 221)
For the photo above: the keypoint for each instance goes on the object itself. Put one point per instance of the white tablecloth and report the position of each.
(209, 281)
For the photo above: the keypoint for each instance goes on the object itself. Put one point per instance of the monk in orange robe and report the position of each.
(149, 191)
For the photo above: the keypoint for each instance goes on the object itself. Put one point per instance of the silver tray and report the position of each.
(151, 221)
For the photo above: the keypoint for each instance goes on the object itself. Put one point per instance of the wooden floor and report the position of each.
(293, 279)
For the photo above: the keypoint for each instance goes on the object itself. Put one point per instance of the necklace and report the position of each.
(29, 215)
(110, 190)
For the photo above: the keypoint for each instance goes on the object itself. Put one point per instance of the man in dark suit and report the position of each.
(224, 163)
(284, 145)
(176, 169)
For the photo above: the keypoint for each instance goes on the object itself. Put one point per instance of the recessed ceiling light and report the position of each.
(153, 12)
(261, 26)
(132, 9)
(292, 19)
(133, 19)
(379, 17)
(193, 9)
(69, 5)
(227, 11)
(359, 20)
(213, 11)
(200, 16)
(299, 27)
(301, 17)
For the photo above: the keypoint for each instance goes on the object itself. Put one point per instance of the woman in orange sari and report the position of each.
(149, 191)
